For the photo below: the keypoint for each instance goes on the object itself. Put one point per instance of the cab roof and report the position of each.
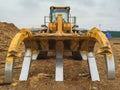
(58, 7)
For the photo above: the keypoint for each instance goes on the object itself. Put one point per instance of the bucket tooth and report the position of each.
(26, 65)
(35, 54)
(84, 55)
(9, 71)
(59, 66)
(59, 61)
(110, 67)
(93, 67)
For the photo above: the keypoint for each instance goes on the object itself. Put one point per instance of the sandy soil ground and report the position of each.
(76, 73)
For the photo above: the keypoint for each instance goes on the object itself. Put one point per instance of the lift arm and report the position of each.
(13, 52)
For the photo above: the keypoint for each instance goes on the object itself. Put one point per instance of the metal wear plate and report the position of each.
(93, 67)
(59, 66)
(110, 67)
(26, 65)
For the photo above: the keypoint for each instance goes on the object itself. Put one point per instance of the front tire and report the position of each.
(42, 55)
(76, 55)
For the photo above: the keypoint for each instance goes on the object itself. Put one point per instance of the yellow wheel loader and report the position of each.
(60, 34)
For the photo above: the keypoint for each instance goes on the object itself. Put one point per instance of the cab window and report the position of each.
(55, 14)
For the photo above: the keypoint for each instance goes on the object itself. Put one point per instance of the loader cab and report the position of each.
(54, 11)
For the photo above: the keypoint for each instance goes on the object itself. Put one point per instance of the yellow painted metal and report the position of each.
(60, 25)
(9, 59)
(103, 41)
(67, 26)
(52, 26)
(15, 44)
(35, 51)
(74, 45)
(84, 46)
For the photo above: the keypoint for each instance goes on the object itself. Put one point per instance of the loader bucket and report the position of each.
(37, 44)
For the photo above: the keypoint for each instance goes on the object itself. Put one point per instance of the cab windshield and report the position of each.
(55, 13)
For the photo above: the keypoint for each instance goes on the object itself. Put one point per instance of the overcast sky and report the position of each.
(30, 13)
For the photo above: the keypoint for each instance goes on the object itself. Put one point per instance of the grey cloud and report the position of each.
(30, 13)
(105, 14)
(88, 3)
(30, 3)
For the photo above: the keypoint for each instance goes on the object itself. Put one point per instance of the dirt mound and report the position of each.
(7, 32)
